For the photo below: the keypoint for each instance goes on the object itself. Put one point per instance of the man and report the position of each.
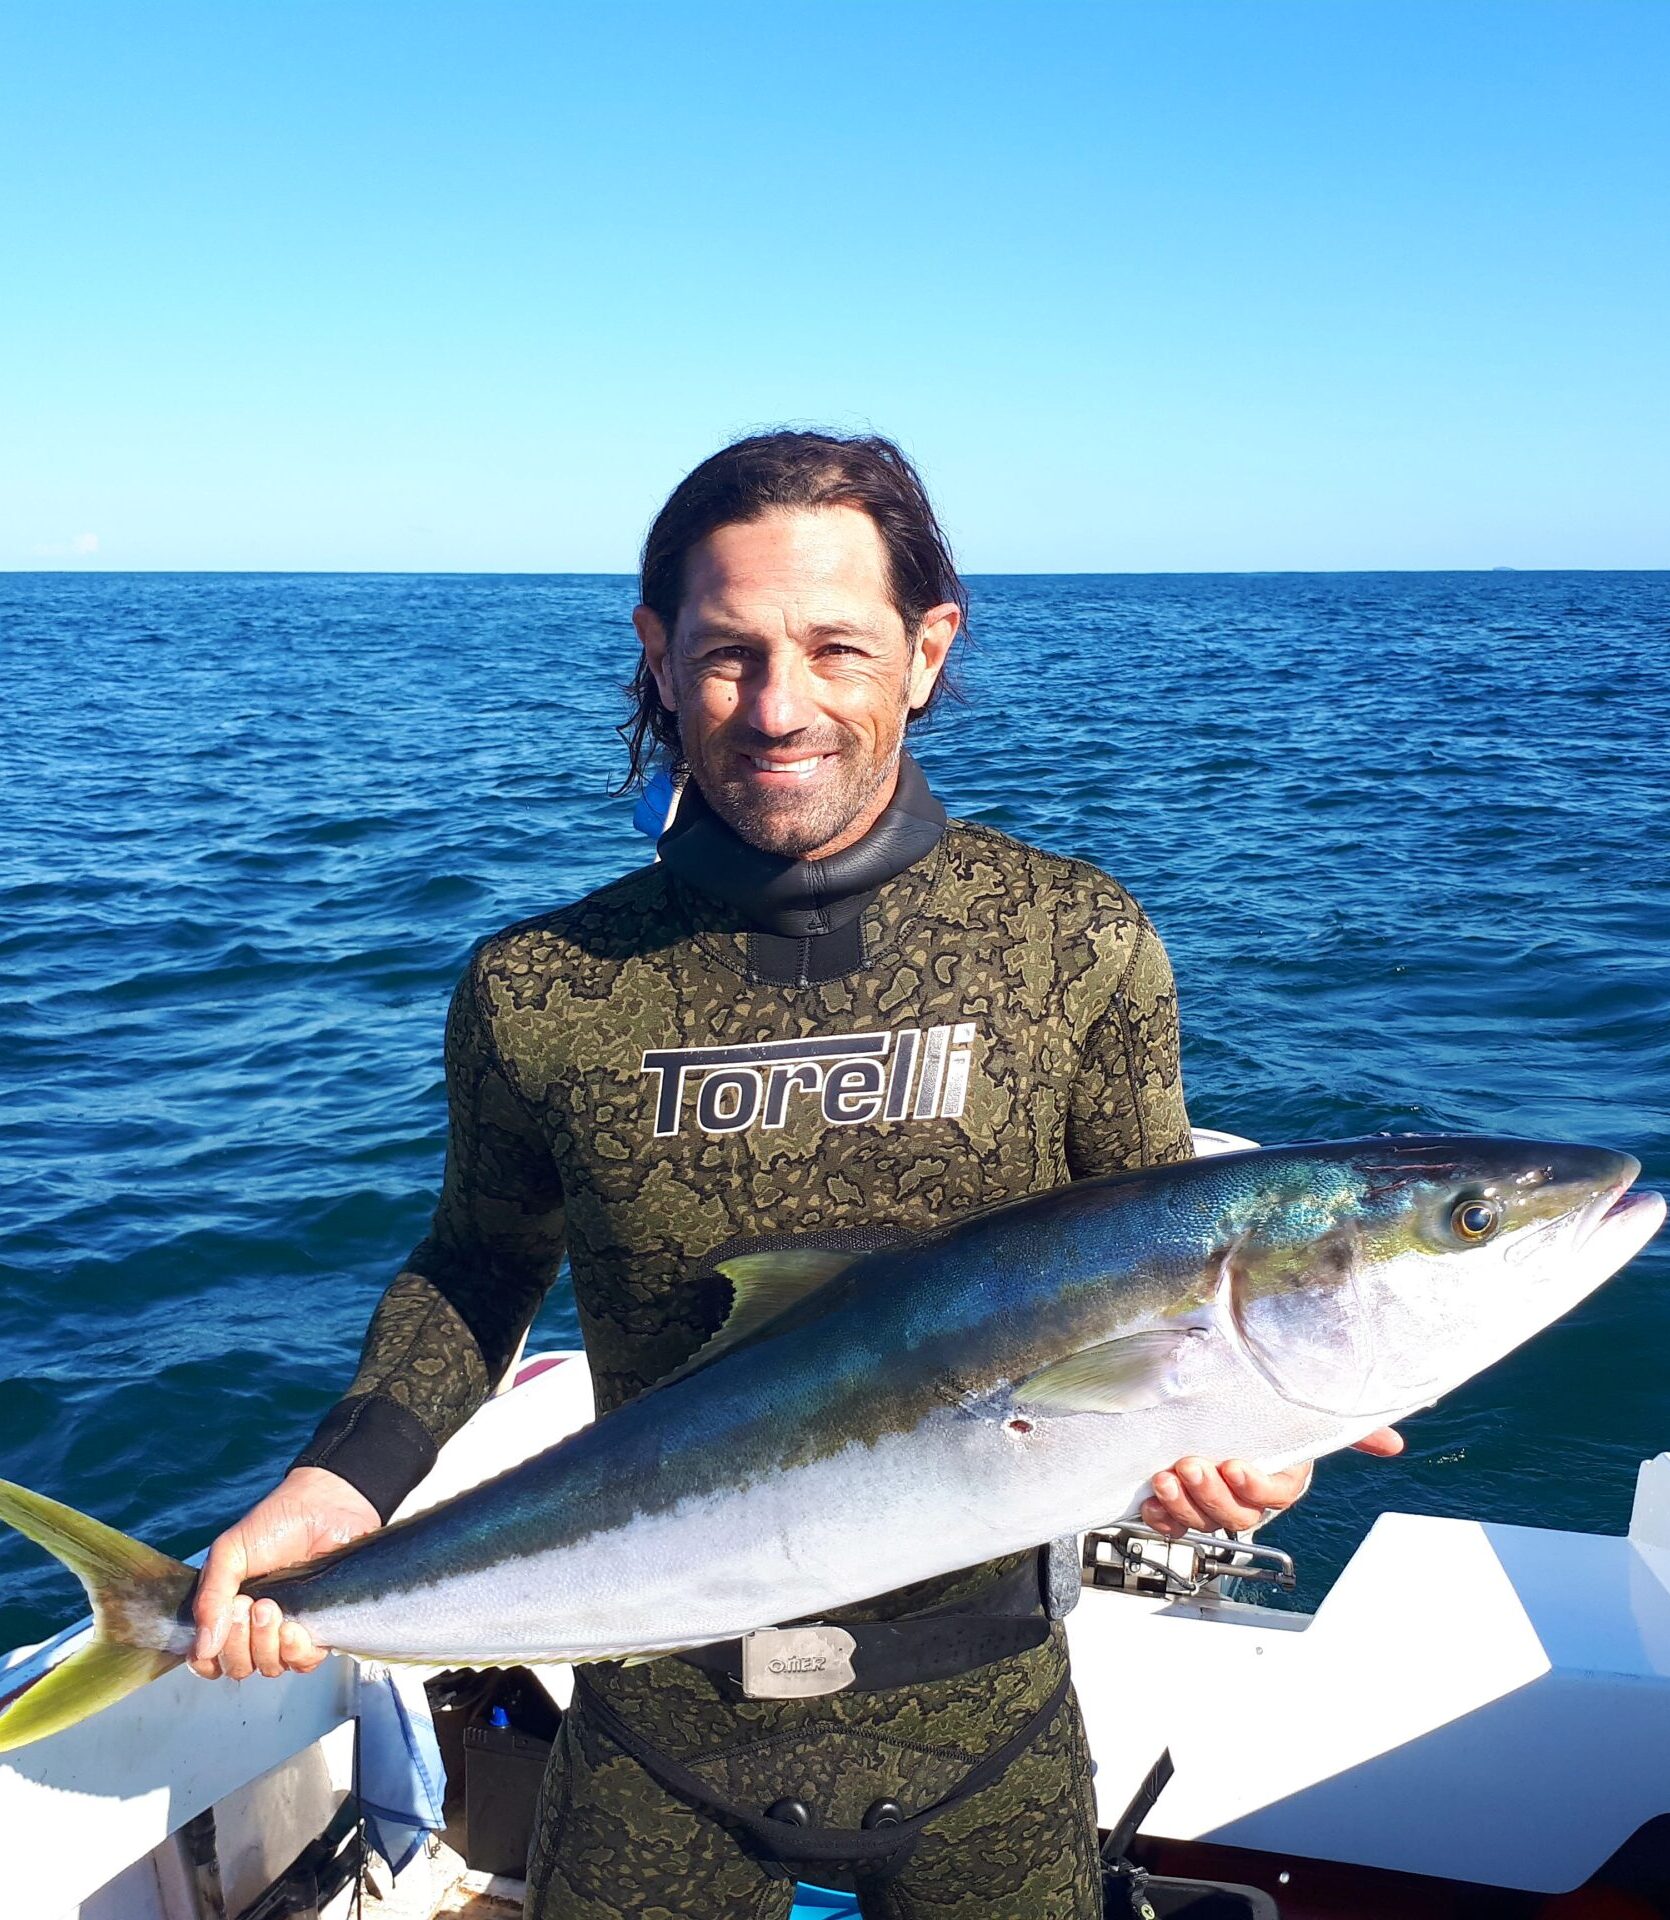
(827, 1016)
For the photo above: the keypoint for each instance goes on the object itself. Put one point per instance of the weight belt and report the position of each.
(1005, 1618)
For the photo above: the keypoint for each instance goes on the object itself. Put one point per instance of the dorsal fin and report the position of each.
(767, 1284)
(764, 1286)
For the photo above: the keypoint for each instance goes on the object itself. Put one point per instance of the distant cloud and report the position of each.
(79, 548)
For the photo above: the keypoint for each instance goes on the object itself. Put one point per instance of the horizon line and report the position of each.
(595, 573)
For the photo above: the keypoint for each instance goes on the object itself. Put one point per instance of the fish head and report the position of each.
(1362, 1280)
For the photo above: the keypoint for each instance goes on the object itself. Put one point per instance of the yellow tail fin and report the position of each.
(136, 1594)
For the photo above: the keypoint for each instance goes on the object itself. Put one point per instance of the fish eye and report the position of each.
(1475, 1220)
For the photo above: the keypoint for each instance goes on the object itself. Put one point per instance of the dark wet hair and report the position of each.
(788, 469)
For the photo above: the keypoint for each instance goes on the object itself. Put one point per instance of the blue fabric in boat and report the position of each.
(823, 1903)
(402, 1781)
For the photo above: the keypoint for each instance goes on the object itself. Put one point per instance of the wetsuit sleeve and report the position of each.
(1127, 1101)
(450, 1324)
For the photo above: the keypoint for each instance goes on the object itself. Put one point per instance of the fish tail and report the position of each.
(136, 1593)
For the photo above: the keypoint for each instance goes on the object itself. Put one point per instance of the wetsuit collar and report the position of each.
(802, 898)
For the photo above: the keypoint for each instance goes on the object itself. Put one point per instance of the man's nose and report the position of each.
(779, 697)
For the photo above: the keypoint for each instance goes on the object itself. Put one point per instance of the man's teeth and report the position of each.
(787, 766)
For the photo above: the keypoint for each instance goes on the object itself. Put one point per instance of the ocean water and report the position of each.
(1405, 836)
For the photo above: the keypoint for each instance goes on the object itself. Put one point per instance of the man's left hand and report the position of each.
(1195, 1495)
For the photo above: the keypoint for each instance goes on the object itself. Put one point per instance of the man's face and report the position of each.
(792, 675)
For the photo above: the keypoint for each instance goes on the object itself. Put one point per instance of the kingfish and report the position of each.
(860, 1423)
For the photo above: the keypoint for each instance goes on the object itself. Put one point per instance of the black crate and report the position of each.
(502, 1771)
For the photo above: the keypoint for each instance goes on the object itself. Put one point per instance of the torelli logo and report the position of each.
(854, 1077)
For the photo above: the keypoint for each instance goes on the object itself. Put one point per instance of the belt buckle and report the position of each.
(795, 1663)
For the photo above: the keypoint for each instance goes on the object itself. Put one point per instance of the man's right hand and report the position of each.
(310, 1511)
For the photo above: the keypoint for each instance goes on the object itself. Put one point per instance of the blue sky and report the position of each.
(1144, 284)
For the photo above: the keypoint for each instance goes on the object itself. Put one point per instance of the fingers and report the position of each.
(1196, 1496)
(1266, 1491)
(1234, 1497)
(235, 1661)
(1178, 1512)
(277, 1645)
(217, 1585)
(264, 1622)
(296, 1648)
(260, 1640)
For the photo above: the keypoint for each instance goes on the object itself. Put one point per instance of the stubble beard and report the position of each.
(794, 824)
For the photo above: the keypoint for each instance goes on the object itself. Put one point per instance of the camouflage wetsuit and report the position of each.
(988, 1021)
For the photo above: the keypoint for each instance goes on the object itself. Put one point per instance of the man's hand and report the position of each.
(310, 1511)
(1196, 1495)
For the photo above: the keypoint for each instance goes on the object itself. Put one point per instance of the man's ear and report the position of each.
(652, 636)
(933, 643)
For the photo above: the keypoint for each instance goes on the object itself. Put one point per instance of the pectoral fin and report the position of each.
(1120, 1376)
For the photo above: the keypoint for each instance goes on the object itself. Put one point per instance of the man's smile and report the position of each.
(783, 772)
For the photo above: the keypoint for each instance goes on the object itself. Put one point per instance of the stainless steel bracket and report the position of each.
(1132, 1558)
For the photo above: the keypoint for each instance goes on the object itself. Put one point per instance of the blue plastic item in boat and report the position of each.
(823, 1903)
(654, 804)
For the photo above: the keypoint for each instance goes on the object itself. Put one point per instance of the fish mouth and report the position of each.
(1621, 1223)
(1610, 1231)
